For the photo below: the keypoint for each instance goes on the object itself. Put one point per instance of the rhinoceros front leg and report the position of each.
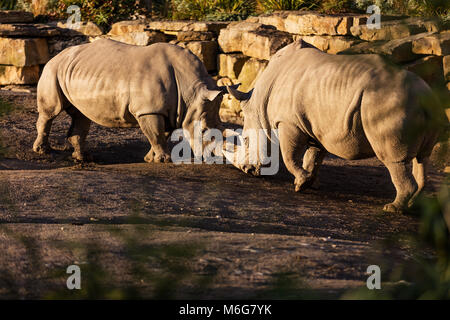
(154, 129)
(292, 145)
(77, 133)
(311, 162)
(405, 185)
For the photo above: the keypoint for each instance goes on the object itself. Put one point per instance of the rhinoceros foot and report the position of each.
(393, 208)
(303, 182)
(42, 149)
(159, 158)
(82, 157)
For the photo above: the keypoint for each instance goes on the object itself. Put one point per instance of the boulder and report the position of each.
(23, 52)
(143, 38)
(310, 23)
(329, 44)
(446, 65)
(195, 35)
(28, 30)
(251, 69)
(391, 30)
(19, 75)
(199, 26)
(398, 50)
(206, 51)
(58, 44)
(86, 28)
(275, 19)
(429, 69)
(437, 44)
(230, 38)
(264, 43)
(125, 27)
(230, 65)
(14, 16)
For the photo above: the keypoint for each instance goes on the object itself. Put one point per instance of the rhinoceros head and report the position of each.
(203, 113)
(251, 126)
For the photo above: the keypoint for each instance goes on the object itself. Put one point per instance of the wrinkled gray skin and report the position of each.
(159, 88)
(354, 107)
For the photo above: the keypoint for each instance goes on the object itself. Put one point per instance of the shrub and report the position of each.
(272, 5)
(221, 10)
(102, 13)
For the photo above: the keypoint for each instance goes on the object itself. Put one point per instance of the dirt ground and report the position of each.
(184, 231)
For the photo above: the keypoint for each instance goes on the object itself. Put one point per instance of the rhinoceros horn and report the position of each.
(239, 95)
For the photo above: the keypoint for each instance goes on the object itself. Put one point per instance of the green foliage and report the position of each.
(219, 10)
(408, 7)
(337, 6)
(272, 5)
(103, 13)
(7, 4)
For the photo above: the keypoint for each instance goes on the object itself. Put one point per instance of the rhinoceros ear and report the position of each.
(211, 94)
(239, 95)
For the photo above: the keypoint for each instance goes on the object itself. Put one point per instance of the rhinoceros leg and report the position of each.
(78, 131)
(292, 145)
(43, 126)
(419, 173)
(154, 129)
(404, 183)
(311, 162)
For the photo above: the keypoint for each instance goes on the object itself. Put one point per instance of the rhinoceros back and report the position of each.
(113, 83)
(331, 97)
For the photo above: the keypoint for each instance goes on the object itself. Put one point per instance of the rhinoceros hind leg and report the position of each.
(77, 133)
(419, 172)
(311, 162)
(292, 145)
(404, 183)
(154, 129)
(43, 125)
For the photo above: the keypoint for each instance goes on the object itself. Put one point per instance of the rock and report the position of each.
(446, 65)
(437, 44)
(28, 30)
(275, 19)
(144, 38)
(200, 26)
(390, 30)
(23, 52)
(231, 38)
(85, 28)
(329, 44)
(398, 50)
(58, 44)
(230, 65)
(429, 69)
(195, 35)
(262, 44)
(19, 75)
(125, 27)
(250, 71)
(307, 23)
(14, 16)
(206, 51)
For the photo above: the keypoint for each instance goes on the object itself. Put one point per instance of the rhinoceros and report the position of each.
(159, 88)
(354, 107)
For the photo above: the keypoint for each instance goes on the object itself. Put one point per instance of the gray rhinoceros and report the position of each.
(354, 107)
(160, 87)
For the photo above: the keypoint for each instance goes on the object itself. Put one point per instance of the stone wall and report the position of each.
(235, 52)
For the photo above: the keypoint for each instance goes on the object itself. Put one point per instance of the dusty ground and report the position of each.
(185, 231)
